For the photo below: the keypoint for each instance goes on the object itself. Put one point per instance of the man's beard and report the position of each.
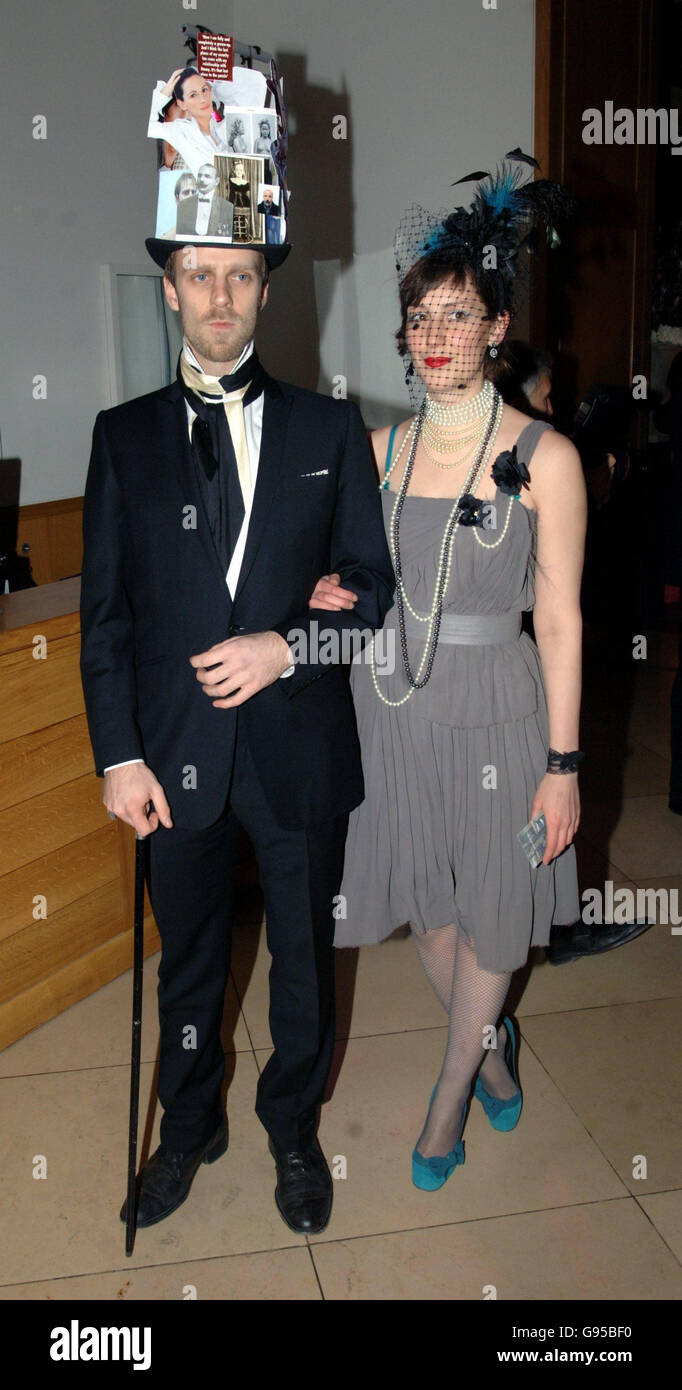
(227, 348)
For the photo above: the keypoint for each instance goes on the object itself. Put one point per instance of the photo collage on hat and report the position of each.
(218, 178)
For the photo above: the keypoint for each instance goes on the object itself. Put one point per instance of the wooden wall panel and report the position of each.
(50, 996)
(36, 692)
(45, 823)
(53, 531)
(63, 936)
(55, 837)
(72, 871)
(44, 758)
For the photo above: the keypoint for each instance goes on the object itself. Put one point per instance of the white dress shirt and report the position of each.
(253, 423)
(204, 205)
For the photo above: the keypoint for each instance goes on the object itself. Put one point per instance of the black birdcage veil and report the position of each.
(465, 264)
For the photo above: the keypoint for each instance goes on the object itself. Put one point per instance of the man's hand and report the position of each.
(241, 666)
(329, 594)
(127, 793)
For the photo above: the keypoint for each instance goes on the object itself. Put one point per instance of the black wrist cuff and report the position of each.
(564, 762)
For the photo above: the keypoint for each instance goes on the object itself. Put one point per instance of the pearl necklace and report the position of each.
(456, 463)
(441, 436)
(433, 618)
(450, 413)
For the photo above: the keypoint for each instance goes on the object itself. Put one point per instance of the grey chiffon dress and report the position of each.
(450, 775)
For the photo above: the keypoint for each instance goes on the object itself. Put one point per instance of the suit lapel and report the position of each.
(276, 410)
(174, 444)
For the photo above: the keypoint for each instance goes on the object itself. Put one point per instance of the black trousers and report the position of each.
(190, 888)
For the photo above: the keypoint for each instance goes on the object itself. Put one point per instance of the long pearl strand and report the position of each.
(445, 557)
(492, 545)
(473, 479)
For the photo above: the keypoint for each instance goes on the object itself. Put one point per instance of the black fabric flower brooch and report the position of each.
(470, 510)
(510, 473)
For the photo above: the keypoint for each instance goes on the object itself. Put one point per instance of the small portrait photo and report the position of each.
(203, 210)
(264, 131)
(268, 199)
(174, 185)
(238, 132)
(239, 182)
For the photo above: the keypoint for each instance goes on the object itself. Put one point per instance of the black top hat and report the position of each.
(160, 248)
(234, 217)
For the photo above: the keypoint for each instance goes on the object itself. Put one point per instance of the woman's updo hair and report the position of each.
(177, 90)
(437, 269)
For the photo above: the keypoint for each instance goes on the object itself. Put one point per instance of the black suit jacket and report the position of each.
(154, 593)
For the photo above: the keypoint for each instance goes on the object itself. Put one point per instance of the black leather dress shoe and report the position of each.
(570, 943)
(304, 1188)
(165, 1180)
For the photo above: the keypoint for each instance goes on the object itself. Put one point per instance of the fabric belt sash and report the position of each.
(469, 629)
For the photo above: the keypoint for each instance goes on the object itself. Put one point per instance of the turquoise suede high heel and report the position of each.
(429, 1174)
(503, 1114)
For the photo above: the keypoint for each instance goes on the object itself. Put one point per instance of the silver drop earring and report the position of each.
(493, 351)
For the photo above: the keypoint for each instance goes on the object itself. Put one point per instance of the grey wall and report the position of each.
(430, 88)
(84, 197)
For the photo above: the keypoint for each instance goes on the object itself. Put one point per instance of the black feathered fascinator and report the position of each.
(504, 218)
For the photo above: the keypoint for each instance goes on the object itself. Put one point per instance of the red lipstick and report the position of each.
(437, 361)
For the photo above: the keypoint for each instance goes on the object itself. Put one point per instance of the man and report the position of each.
(206, 213)
(270, 210)
(267, 205)
(185, 187)
(208, 520)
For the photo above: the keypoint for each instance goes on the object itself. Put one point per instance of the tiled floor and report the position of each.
(583, 1200)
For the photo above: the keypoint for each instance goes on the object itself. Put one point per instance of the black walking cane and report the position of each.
(138, 961)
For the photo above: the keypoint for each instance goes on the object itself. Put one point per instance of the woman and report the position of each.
(455, 741)
(239, 193)
(236, 140)
(197, 132)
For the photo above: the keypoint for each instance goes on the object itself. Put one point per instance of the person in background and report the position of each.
(525, 379)
(668, 419)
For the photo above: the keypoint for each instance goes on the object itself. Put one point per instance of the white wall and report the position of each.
(84, 197)
(431, 89)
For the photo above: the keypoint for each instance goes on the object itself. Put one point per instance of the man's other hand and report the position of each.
(127, 794)
(234, 670)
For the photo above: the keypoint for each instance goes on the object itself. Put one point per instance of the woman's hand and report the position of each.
(168, 89)
(559, 800)
(329, 594)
